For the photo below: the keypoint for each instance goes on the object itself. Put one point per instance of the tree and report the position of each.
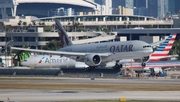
(105, 29)
(2, 26)
(52, 45)
(24, 24)
(125, 23)
(98, 28)
(77, 26)
(8, 28)
(20, 56)
(176, 48)
(43, 24)
(150, 26)
(129, 23)
(68, 27)
(40, 23)
(20, 23)
(29, 25)
(47, 28)
(34, 23)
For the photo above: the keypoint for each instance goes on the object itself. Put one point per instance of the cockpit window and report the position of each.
(146, 46)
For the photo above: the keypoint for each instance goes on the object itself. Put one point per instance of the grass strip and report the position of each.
(59, 86)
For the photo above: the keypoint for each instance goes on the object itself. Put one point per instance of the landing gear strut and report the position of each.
(117, 66)
(143, 64)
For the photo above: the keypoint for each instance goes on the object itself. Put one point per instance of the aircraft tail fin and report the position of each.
(161, 53)
(63, 37)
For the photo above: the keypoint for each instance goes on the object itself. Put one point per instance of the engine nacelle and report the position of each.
(92, 60)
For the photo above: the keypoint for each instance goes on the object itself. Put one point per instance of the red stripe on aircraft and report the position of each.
(159, 54)
(172, 39)
(166, 49)
(169, 44)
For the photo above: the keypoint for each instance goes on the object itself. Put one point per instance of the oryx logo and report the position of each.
(63, 38)
(41, 59)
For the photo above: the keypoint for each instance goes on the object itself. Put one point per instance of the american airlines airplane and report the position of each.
(53, 61)
(95, 54)
(158, 60)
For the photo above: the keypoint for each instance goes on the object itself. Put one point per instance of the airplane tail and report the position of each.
(161, 53)
(63, 37)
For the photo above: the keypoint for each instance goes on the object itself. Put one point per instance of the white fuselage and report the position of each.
(118, 50)
(45, 61)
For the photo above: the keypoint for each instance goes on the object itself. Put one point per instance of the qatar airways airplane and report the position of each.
(95, 54)
(55, 61)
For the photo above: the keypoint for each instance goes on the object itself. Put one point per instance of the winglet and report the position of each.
(63, 37)
(163, 50)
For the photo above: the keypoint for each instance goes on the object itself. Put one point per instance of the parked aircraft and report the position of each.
(162, 52)
(53, 61)
(158, 60)
(95, 54)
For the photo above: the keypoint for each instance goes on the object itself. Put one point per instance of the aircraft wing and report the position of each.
(157, 43)
(62, 53)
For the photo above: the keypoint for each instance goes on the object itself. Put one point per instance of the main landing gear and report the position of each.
(117, 66)
(143, 64)
(90, 68)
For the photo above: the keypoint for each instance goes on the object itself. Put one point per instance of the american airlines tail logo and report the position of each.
(63, 38)
(163, 50)
(41, 60)
(165, 47)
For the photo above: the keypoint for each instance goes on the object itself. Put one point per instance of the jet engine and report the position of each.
(92, 60)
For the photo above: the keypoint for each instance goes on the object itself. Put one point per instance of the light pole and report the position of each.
(74, 24)
(84, 18)
(106, 22)
(50, 60)
(116, 22)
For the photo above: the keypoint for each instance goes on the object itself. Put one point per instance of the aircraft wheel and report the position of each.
(90, 68)
(143, 64)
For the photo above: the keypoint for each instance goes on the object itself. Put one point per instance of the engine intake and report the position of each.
(92, 60)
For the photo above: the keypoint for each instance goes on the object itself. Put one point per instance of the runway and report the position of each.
(66, 80)
(51, 95)
(67, 95)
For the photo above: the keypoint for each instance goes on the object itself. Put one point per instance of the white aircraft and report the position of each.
(158, 60)
(96, 54)
(53, 61)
